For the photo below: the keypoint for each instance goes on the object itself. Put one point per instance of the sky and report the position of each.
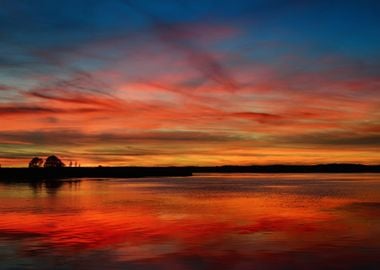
(158, 83)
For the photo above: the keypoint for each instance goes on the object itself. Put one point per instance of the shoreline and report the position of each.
(37, 174)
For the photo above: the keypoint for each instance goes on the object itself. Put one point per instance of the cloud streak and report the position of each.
(183, 40)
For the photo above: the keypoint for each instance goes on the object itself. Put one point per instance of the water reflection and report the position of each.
(48, 186)
(51, 187)
(203, 222)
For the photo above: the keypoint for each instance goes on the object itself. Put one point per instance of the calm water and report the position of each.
(251, 221)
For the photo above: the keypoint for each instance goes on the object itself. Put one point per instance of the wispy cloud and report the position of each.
(183, 40)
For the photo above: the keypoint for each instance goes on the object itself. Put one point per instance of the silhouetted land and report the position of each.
(320, 168)
(36, 174)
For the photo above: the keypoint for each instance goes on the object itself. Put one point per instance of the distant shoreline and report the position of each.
(37, 174)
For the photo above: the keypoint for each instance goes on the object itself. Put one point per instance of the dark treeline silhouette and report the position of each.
(319, 168)
(36, 174)
(51, 162)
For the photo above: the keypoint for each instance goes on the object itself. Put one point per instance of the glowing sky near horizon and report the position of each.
(190, 82)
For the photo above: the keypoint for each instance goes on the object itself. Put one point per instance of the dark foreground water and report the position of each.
(252, 221)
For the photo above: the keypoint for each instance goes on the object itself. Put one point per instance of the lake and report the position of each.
(209, 221)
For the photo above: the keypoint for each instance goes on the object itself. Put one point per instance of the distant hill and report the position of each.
(279, 168)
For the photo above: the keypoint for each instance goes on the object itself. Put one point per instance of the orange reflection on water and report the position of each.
(251, 218)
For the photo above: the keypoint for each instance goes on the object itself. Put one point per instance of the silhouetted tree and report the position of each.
(53, 162)
(36, 162)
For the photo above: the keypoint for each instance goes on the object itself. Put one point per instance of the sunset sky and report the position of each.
(150, 82)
